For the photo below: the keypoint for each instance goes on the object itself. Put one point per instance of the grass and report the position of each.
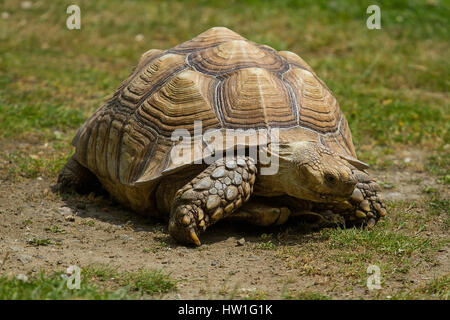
(39, 242)
(385, 241)
(44, 287)
(403, 246)
(142, 281)
(98, 282)
(438, 288)
(55, 229)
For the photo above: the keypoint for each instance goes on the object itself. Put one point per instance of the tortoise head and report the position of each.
(311, 171)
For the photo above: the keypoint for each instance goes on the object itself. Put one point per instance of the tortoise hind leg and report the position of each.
(276, 211)
(263, 214)
(214, 194)
(75, 177)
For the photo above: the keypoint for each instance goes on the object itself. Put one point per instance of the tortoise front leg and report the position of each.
(367, 206)
(214, 194)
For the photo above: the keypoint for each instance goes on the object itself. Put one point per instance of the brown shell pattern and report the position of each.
(219, 78)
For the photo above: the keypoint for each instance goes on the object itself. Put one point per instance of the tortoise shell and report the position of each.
(219, 78)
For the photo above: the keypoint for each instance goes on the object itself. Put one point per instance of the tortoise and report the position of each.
(169, 142)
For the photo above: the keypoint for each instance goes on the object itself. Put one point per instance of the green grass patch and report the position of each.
(39, 242)
(383, 241)
(98, 282)
(23, 165)
(438, 288)
(54, 287)
(55, 229)
(268, 245)
(142, 281)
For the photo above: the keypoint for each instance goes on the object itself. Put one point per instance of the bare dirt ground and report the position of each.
(95, 230)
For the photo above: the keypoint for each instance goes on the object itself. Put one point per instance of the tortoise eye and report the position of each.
(330, 178)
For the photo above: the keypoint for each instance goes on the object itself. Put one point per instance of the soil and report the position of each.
(97, 230)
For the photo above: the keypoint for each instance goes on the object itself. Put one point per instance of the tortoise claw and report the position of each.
(194, 238)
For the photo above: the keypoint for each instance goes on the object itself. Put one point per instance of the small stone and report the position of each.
(231, 164)
(218, 173)
(245, 175)
(70, 218)
(227, 181)
(382, 212)
(213, 263)
(126, 237)
(22, 277)
(231, 193)
(26, 5)
(5, 15)
(252, 257)
(24, 258)
(203, 184)
(65, 211)
(139, 37)
(240, 242)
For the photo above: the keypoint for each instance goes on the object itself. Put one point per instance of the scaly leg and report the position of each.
(368, 207)
(74, 177)
(261, 213)
(214, 194)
